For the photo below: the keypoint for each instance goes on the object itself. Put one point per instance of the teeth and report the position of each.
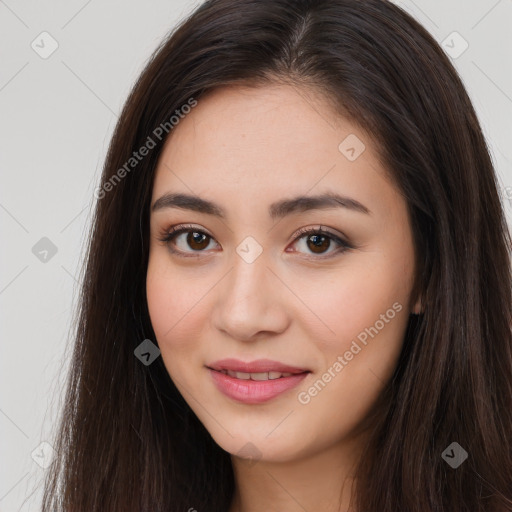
(242, 375)
(259, 376)
(256, 376)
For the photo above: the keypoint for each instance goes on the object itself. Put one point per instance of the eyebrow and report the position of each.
(277, 210)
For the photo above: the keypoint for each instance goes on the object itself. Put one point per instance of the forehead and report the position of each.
(238, 122)
(263, 143)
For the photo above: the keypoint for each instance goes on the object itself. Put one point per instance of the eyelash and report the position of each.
(168, 235)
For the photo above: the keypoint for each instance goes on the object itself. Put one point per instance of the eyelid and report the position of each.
(168, 234)
(341, 240)
(320, 229)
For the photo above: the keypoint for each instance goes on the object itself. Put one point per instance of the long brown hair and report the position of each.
(128, 441)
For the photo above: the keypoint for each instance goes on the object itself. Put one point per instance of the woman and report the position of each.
(298, 292)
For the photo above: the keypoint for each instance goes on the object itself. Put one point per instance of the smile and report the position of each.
(254, 388)
(255, 376)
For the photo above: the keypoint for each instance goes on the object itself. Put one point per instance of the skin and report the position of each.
(245, 148)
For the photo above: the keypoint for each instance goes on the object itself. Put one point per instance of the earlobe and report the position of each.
(418, 308)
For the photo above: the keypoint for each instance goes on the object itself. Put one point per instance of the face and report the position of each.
(251, 277)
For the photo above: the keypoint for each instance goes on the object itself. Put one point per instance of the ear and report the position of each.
(418, 308)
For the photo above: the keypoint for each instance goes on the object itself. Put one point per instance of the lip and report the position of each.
(257, 366)
(254, 391)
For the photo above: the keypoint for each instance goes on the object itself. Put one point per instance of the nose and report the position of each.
(250, 301)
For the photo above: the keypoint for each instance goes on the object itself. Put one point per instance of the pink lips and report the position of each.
(254, 391)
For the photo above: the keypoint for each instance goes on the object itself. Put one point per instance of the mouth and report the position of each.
(259, 376)
(256, 382)
(261, 369)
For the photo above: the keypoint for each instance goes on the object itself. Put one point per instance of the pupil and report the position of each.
(318, 241)
(192, 239)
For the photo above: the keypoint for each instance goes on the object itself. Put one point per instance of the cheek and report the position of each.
(365, 306)
(367, 311)
(355, 297)
(176, 314)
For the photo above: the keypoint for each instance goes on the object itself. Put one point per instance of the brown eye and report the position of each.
(319, 243)
(196, 240)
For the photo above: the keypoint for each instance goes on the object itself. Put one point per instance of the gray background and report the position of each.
(57, 116)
